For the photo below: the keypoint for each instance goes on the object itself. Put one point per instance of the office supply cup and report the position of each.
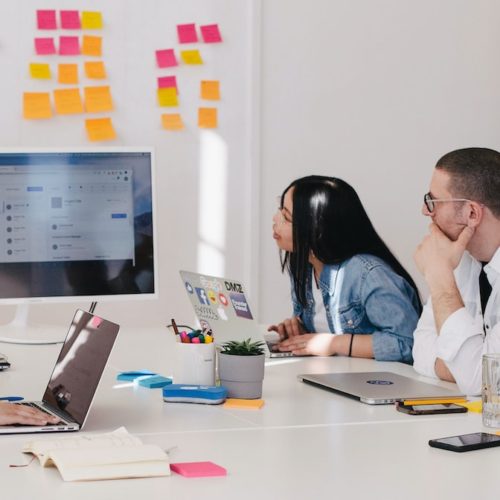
(194, 364)
(491, 390)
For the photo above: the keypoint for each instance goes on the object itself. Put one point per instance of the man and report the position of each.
(460, 261)
(19, 414)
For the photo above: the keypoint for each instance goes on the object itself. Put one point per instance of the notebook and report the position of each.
(221, 305)
(76, 375)
(378, 388)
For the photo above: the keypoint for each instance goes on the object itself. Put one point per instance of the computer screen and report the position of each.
(76, 224)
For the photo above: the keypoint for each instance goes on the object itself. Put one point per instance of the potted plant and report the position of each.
(241, 368)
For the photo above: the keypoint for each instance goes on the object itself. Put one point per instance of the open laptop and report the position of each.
(221, 305)
(378, 388)
(76, 375)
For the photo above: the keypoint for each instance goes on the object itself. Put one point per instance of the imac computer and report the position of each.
(77, 225)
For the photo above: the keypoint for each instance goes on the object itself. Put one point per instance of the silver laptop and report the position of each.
(221, 305)
(377, 388)
(76, 375)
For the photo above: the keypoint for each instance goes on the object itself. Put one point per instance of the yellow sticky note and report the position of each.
(473, 406)
(68, 101)
(100, 129)
(244, 404)
(207, 117)
(40, 70)
(172, 122)
(95, 70)
(92, 45)
(67, 73)
(191, 57)
(98, 99)
(36, 105)
(209, 89)
(167, 97)
(91, 20)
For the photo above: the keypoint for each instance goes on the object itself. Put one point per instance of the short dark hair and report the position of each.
(475, 175)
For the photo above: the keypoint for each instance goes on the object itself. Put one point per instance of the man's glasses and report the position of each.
(429, 201)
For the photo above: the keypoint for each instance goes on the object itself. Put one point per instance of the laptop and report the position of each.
(378, 388)
(221, 305)
(76, 375)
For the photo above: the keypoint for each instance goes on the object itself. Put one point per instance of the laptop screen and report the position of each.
(81, 362)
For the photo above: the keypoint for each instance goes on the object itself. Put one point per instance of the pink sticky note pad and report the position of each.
(211, 33)
(45, 46)
(46, 19)
(166, 58)
(70, 20)
(165, 82)
(187, 33)
(69, 46)
(198, 469)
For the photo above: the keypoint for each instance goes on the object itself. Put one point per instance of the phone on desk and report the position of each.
(431, 409)
(466, 442)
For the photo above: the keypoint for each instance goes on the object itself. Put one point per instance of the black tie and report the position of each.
(484, 287)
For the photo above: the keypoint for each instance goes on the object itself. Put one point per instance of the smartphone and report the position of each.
(434, 409)
(466, 442)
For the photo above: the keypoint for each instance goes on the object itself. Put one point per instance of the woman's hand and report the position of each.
(20, 414)
(314, 344)
(288, 328)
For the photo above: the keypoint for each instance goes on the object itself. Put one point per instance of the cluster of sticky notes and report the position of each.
(68, 20)
(86, 45)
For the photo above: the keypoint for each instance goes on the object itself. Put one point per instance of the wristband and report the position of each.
(350, 345)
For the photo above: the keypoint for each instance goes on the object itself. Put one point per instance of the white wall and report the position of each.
(373, 92)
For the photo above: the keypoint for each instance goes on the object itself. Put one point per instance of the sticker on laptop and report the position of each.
(240, 305)
(223, 299)
(189, 287)
(202, 296)
(205, 312)
(212, 296)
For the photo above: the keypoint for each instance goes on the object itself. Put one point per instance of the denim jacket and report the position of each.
(363, 295)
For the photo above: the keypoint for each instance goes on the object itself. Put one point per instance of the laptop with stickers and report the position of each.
(221, 304)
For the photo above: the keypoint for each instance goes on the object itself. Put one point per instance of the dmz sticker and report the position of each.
(379, 382)
(202, 296)
(240, 305)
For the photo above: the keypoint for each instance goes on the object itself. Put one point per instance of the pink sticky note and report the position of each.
(69, 46)
(166, 58)
(46, 19)
(45, 46)
(187, 33)
(70, 20)
(165, 82)
(198, 469)
(211, 33)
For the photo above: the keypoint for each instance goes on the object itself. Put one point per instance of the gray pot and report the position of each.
(242, 376)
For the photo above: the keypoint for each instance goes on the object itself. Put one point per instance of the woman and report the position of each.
(345, 280)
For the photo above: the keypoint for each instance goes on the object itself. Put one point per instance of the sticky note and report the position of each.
(46, 19)
(69, 46)
(91, 20)
(100, 129)
(70, 20)
(210, 33)
(68, 101)
(40, 71)
(67, 73)
(198, 469)
(36, 105)
(244, 404)
(187, 33)
(167, 97)
(95, 70)
(133, 375)
(473, 406)
(209, 89)
(92, 46)
(166, 58)
(167, 81)
(191, 56)
(172, 121)
(207, 117)
(98, 99)
(45, 46)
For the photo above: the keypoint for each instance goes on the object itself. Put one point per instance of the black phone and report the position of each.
(466, 442)
(432, 409)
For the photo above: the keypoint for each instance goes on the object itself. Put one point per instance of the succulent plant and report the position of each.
(243, 348)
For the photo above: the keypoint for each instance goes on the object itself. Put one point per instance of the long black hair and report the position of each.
(329, 220)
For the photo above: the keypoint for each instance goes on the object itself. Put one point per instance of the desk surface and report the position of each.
(304, 440)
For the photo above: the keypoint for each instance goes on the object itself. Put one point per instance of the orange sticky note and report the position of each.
(167, 96)
(91, 20)
(98, 99)
(40, 71)
(172, 121)
(36, 105)
(68, 101)
(209, 89)
(191, 57)
(207, 117)
(95, 70)
(244, 404)
(100, 129)
(92, 45)
(67, 73)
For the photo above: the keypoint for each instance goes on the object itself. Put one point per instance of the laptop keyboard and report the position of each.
(37, 407)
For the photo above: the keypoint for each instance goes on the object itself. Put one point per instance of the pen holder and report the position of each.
(194, 364)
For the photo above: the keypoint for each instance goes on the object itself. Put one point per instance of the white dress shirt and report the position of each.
(462, 341)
